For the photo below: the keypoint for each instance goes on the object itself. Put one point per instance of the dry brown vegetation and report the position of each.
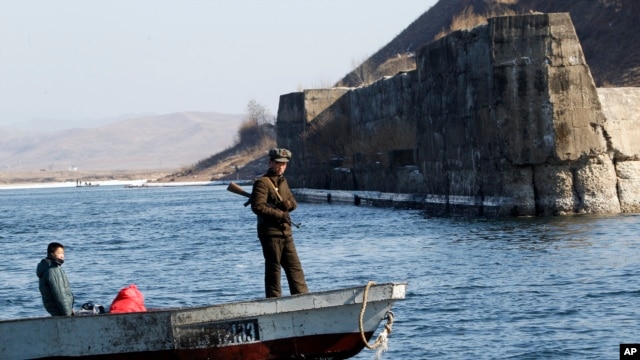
(469, 19)
(365, 73)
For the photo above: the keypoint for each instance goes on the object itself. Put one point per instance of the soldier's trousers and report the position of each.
(280, 253)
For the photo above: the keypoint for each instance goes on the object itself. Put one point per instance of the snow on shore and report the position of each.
(69, 184)
(126, 183)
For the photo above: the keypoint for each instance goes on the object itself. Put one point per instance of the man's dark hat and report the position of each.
(280, 155)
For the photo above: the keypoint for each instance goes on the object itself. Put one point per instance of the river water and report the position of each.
(526, 288)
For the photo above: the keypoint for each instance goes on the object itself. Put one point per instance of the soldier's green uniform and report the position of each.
(271, 201)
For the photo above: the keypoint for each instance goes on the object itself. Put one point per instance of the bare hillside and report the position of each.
(607, 30)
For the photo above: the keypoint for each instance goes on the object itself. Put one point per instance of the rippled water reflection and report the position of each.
(478, 288)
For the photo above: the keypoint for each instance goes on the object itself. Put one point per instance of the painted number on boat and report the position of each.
(219, 334)
(241, 332)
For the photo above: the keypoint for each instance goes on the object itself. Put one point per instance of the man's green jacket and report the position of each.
(55, 289)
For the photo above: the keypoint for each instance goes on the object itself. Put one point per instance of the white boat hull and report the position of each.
(316, 325)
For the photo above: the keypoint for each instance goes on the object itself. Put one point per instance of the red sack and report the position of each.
(129, 299)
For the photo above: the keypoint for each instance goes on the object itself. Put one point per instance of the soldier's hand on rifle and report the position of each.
(285, 205)
(285, 217)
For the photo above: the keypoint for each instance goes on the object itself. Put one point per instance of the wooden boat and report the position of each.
(335, 324)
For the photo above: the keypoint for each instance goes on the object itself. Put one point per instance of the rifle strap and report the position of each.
(273, 186)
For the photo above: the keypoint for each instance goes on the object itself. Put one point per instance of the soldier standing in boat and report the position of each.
(53, 283)
(271, 201)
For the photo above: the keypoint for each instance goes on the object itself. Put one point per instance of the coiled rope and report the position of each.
(382, 340)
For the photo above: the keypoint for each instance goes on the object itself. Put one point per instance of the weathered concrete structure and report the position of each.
(504, 119)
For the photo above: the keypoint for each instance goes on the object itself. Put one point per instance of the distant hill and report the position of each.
(607, 30)
(166, 141)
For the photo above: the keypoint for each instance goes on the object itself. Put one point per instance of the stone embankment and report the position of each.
(505, 120)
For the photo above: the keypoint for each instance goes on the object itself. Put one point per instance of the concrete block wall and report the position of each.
(296, 112)
(621, 108)
(507, 121)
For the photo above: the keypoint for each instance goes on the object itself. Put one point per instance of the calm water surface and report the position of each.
(478, 288)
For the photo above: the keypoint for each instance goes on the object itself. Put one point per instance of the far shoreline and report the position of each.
(67, 184)
(57, 178)
(139, 183)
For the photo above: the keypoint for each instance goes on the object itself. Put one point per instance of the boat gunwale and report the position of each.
(176, 311)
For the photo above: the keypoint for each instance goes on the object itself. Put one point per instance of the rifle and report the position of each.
(236, 189)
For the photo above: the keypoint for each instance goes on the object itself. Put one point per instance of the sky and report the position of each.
(86, 60)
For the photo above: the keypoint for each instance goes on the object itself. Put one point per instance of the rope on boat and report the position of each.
(382, 340)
